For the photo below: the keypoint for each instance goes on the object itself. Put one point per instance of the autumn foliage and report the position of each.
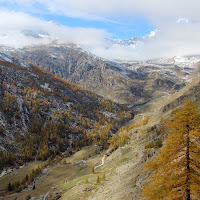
(49, 116)
(175, 173)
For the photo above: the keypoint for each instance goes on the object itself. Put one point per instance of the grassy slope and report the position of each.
(18, 175)
(121, 168)
(56, 175)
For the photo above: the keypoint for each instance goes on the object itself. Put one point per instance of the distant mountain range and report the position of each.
(133, 42)
(124, 82)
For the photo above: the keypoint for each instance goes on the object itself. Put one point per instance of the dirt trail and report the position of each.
(102, 162)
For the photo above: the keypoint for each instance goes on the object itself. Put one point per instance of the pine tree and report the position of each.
(49, 161)
(10, 187)
(92, 170)
(175, 173)
(104, 177)
(98, 180)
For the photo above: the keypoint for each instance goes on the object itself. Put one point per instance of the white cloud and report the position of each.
(154, 10)
(177, 35)
(15, 24)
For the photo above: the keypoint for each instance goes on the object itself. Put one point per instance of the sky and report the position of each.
(89, 23)
(122, 27)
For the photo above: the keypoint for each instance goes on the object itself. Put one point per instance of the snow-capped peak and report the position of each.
(183, 20)
(53, 22)
(134, 41)
(151, 34)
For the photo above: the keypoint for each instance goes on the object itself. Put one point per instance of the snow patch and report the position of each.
(108, 114)
(5, 57)
(69, 104)
(45, 86)
(3, 173)
(8, 58)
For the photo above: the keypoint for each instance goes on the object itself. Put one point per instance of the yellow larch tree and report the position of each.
(175, 172)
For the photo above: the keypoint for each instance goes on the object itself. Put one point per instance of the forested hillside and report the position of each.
(42, 116)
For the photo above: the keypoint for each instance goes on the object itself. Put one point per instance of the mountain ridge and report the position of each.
(29, 94)
(122, 82)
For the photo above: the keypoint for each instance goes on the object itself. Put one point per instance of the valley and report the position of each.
(99, 100)
(63, 130)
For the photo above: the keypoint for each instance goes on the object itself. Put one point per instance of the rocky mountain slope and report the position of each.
(125, 82)
(47, 116)
(124, 168)
(42, 115)
(78, 66)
